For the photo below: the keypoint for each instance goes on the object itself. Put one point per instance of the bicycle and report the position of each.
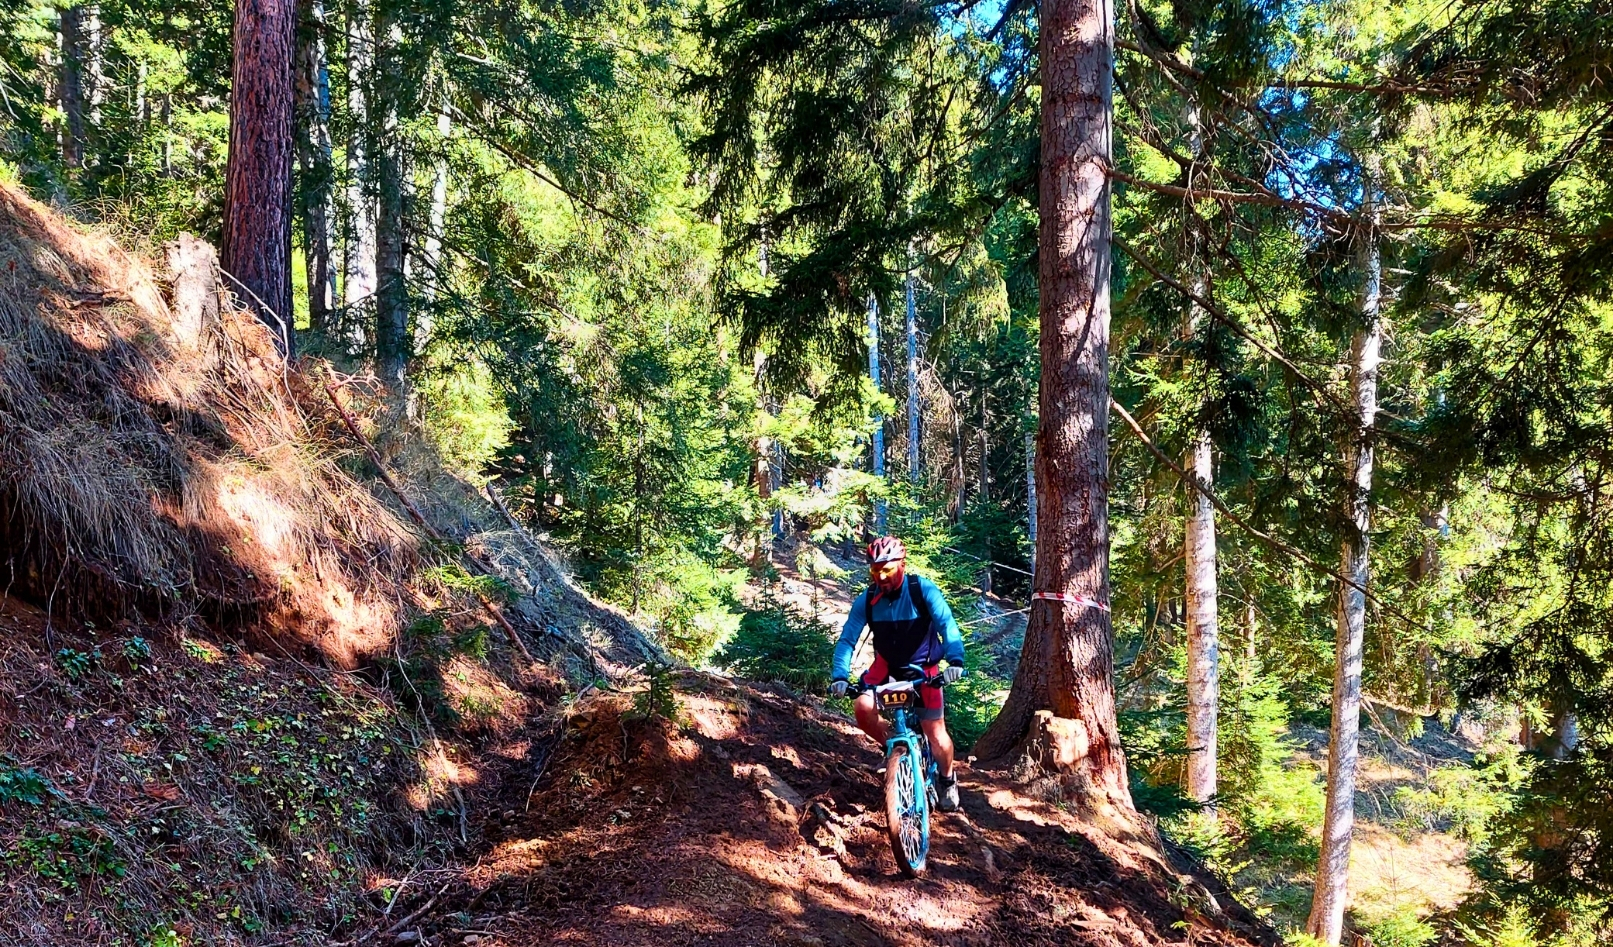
(908, 765)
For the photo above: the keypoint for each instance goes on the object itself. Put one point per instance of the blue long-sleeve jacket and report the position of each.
(899, 608)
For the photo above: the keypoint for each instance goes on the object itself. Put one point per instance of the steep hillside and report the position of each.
(238, 679)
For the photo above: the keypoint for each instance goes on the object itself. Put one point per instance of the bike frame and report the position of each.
(918, 748)
(918, 753)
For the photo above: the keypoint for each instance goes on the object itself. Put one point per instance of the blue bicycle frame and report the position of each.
(910, 771)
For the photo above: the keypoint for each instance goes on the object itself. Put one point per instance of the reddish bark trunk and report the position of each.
(256, 250)
(1067, 663)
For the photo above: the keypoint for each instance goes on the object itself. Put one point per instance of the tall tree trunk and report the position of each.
(425, 324)
(1203, 639)
(359, 280)
(314, 160)
(912, 384)
(436, 220)
(769, 454)
(1203, 631)
(256, 251)
(392, 342)
(1332, 869)
(762, 458)
(78, 90)
(879, 419)
(1067, 663)
(1250, 656)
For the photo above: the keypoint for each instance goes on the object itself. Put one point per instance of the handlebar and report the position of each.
(857, 686)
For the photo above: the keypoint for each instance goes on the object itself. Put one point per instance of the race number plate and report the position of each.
(894, 699)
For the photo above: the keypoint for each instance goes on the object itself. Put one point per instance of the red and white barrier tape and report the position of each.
(1075, 599)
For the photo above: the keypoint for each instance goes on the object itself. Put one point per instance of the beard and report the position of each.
(891, 583)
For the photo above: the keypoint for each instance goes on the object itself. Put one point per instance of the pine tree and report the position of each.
(1066, 665)
(256, 251)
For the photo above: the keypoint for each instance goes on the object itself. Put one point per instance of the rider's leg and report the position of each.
(871, 723)
(940, 744)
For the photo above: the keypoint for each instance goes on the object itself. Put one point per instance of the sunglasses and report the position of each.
(883, 569)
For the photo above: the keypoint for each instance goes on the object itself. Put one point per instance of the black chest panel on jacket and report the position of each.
(901, 641)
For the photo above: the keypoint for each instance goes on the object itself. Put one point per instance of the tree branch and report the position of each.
(1272, 541)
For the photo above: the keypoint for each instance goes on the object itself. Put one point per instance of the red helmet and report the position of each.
(886, 549)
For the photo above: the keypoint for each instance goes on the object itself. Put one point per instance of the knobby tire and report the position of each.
(901, 797)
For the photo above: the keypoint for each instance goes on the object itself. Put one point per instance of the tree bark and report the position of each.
(392, 341)
(1067, 663)
(256, 250)
(1203, 627)
(1332, 870)
(79, 87)
(912, 384)
(314, 161)
(1203, 638)
(879, 419)
(436, 220)
(769, 454)
(359, 280)
(1030, 483)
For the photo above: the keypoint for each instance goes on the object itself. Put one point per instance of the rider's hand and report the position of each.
(952, 673)
(838, 688)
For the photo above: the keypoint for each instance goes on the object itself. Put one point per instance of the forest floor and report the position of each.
(754, 817)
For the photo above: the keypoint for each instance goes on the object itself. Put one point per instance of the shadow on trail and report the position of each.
(644, 832)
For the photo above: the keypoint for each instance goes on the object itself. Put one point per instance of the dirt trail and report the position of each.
(756, 821)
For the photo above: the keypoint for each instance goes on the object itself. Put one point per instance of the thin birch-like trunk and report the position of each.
(392, 342)
(769, 460)
(879, 419)
(1203, 626)
(1332, 870)
(314, 160)
(437, 216)
(1203, 639)
(436, 223)
(912, 384)
(359, 281)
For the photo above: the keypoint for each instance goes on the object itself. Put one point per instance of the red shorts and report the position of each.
(931, 702)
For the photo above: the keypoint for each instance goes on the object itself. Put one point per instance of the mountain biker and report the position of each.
(912, 625)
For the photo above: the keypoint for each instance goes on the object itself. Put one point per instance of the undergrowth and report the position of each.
(778, 642)
(195, 788)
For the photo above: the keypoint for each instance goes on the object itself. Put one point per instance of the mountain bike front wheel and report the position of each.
(906, 812)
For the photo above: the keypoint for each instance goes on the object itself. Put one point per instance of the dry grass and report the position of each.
(149, 469)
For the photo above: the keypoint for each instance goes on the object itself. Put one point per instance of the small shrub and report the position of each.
(1463, 799)
(456, 578)
(659, 699)
(22, 785)
(1403, 928)
(472, 642)
(779, 643)
(76, 664)
(136, 651)
(68, 855)
(972, 703)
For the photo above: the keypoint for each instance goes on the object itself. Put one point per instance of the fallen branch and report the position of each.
(419, 518)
